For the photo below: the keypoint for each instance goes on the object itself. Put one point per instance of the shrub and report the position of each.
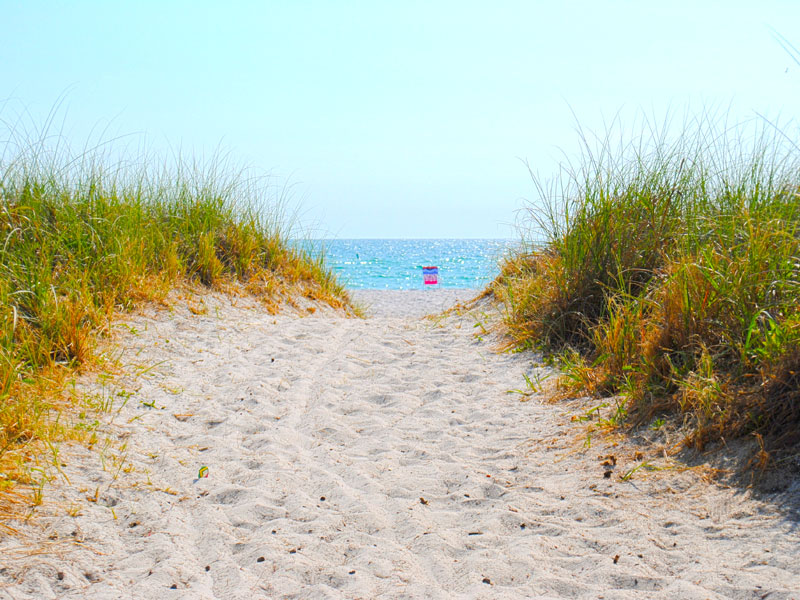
(672, 265)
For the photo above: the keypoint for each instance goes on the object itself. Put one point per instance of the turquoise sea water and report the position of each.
(397, 264)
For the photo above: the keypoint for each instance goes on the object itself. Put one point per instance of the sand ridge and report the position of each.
(376, 458)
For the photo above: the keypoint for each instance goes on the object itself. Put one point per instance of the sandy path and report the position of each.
(378, 458)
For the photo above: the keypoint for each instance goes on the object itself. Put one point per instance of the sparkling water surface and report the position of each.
(397, 264)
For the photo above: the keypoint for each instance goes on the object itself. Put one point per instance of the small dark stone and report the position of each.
(322, 498)
(208, 568)
(260, 559)
(487, 581)
(174, 586)
(133, 524)
(60, 576)
(607, 474)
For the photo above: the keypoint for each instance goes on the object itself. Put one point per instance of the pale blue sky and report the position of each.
(392, 119)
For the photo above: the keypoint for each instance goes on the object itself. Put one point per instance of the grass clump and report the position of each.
(667, 271)
(82, 237)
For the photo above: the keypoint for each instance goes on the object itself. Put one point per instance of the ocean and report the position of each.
(397, 264)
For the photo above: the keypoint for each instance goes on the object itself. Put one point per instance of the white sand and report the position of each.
(409, 303)
(378, 458)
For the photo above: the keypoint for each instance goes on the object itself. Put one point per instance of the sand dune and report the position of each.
(377, 458)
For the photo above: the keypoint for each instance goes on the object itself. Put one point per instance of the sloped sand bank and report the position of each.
(378, 458)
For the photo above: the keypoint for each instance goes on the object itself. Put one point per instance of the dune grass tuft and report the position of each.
(82, 237)
(667, 271)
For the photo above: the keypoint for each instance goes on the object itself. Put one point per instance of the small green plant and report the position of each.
(532, 385)
(37, 486)
(151, 404)
(626, 476)
(590, 413)
(617, 417)
(535, 383)
(481, 323)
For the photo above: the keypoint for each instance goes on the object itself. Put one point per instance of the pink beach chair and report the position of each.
(430, 275)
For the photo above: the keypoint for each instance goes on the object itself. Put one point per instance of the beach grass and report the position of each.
(84, 237)
(665, 269)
